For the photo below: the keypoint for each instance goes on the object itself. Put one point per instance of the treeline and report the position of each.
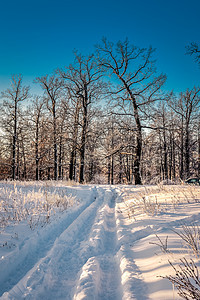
(102, 119)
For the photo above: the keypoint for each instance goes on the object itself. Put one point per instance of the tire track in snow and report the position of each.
(100, 277)
(110, 285)
(133, 285)
(30, 261)
(82, 263)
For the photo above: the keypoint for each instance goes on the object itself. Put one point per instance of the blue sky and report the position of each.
(38, 36)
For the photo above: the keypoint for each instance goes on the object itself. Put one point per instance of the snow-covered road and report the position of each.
(105, 247)
(79, 263)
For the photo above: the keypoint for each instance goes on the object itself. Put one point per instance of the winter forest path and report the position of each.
(82, 261)
(108, 245)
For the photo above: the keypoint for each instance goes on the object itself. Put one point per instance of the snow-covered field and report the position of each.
(94, 241)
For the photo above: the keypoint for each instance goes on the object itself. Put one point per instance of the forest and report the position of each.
(105, 118)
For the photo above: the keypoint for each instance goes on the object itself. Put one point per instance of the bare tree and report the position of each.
(12, 97)
(36, 115)
(74, 147)
(194, 50)
(52, 87)
(83, 83)
(186, 107)
(64, 122)
(134, 69)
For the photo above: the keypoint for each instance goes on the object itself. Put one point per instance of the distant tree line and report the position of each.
(105, 119)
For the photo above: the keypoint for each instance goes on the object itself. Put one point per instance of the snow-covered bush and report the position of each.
(186, 270)
(153, 200)
(33, 203)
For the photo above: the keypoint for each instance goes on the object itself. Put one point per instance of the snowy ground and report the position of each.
(92, 242)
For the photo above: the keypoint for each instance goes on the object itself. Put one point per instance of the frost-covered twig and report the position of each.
(190, 234)
(163, 245)
(186, 279)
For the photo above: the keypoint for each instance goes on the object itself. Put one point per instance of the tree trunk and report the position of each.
(14, 143)
(72, 164)
(174, 159)
(55, 145)
(17, 169)
(128, 168)
(109, 168)
(60, 159)
(91, 171)
(112, 169)
(165, 160)
(182, 150)
(24, 159)
(83, 135)
(187, 152)
(161, 158)
(36, 152)
(48, 173)
(138, 150)
(120, 168)
(82, 149)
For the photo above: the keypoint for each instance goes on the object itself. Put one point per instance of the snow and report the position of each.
(92, 241)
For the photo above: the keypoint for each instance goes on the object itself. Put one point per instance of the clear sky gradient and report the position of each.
(37, 36)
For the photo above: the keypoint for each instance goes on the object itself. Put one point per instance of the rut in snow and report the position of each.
(33, 249)
(88, 243)
(100, 277)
